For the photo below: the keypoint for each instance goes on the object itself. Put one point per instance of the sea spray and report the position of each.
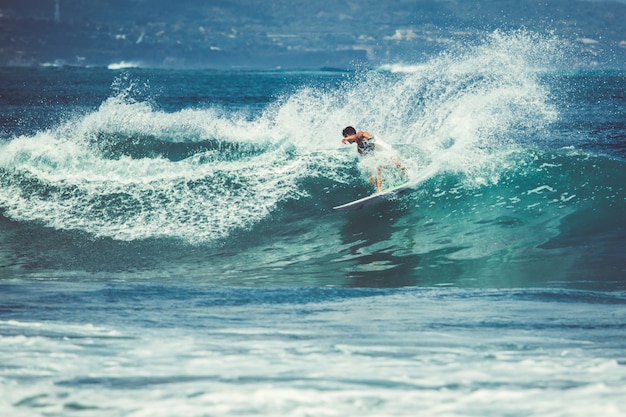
(464, 110)
(129, 170)
(467, 108)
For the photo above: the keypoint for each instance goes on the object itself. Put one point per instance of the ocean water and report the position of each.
(168, 245)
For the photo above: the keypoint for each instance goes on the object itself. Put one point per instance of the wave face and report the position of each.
(233, 175)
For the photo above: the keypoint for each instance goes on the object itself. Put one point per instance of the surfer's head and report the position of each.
(348, 131)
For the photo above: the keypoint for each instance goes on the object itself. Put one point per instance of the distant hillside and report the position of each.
(289, 33)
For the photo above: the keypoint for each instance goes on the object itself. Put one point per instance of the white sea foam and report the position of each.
(491, 353)
(123, 65)
(100, 174)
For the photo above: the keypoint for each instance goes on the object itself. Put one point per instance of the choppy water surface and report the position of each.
(168, 244)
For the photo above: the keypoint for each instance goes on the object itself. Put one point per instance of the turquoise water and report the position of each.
(168, 244)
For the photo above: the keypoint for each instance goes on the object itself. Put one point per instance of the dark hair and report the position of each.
(348, 131)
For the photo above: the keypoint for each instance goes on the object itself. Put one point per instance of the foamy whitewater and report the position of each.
(168, 245)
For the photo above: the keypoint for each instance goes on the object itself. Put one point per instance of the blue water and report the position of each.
(168, 245)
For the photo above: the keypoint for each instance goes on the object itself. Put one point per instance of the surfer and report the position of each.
(350, 135)
(365, 146)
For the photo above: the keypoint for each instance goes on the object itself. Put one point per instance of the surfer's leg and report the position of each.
(379, 179)
(402, 169)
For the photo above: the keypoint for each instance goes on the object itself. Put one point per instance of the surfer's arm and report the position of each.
(365, 135)
(356, 136)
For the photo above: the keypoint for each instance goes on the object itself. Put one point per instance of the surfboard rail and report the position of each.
(387, 194)
(376, 198)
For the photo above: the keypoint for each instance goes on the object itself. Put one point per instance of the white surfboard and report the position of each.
(390, 193)
(375, 198)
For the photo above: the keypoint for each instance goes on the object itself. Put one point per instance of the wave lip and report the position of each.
(71, 185)
(130, 170)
